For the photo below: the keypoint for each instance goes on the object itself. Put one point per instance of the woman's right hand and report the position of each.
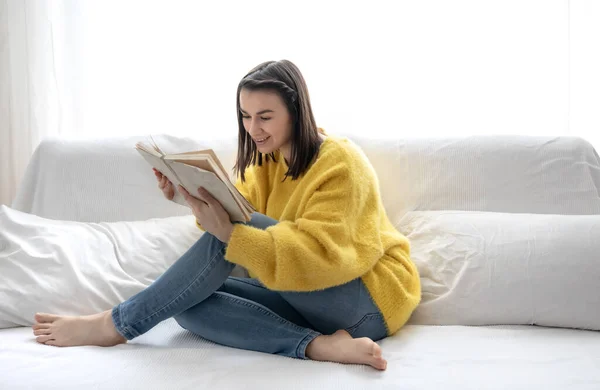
(164, 184)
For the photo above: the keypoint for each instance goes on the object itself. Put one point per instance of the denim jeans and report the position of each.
(241, 312)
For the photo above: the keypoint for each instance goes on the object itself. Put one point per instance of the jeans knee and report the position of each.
(182, 319)
(371, 326)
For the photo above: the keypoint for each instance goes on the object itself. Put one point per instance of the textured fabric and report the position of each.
(77, 268)
(105, 180)
(332, 229)
(419, 357)
(481, 268)
(510, 174)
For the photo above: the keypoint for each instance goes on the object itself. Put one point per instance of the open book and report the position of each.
(198, 169)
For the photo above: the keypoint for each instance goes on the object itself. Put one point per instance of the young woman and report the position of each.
(330, 273)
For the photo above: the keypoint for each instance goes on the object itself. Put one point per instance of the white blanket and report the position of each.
(419, 357)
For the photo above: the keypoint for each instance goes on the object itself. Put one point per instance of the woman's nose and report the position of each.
(254, 127)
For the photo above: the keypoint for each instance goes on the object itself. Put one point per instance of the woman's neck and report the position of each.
(286, 151)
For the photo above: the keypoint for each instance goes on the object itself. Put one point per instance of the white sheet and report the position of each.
(419, 357)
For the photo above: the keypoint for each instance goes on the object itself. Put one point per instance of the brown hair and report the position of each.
(284, 78)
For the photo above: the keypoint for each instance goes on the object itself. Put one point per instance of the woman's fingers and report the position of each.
(205, 196)
(170, 190)
(192, 201)
(186, 195)
(163, 182)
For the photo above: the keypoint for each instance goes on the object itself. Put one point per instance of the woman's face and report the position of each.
(267, 120)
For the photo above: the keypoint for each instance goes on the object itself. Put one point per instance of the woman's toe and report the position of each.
(41, 326)
(43, 339)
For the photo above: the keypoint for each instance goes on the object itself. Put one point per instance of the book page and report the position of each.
(163, 168)
(192, 177)
(155, 146)
(142, 146)
(206, 154)
(245, 203)
(207, 162)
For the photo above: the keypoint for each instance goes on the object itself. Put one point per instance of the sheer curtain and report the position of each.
(39, 76)
(429, 68)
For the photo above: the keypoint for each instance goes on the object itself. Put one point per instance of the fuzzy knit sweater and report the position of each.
(332, 229)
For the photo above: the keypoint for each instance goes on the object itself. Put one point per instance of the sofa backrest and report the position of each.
(106, 180)
(92, 180)
(514, 174)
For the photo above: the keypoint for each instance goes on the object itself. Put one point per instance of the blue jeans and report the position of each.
(241, 312)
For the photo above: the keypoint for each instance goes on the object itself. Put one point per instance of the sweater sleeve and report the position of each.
(334, 240)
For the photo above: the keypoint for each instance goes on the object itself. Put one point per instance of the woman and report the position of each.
(330, 273)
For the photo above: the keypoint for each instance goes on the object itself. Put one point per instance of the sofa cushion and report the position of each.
(77, 268)
(482, 268)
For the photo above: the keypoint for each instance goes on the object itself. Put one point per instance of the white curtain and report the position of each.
(414, 68)
(38, 81)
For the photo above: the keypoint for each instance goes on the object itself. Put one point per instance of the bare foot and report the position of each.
(342, 348)
(64, 331)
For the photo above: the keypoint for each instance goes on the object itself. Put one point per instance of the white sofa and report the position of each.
(436, 191)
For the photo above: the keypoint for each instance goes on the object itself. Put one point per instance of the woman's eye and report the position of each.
(248, 117)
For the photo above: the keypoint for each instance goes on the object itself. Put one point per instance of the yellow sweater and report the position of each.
(332, 229)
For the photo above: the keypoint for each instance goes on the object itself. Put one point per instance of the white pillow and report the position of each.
(76, 268)
(483, 268)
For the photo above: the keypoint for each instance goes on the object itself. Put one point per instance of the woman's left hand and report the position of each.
(209, 213)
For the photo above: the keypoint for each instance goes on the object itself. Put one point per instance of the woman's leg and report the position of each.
(190, 280)
(348, 306)
(244, 314)
(348, 319)
(185, 287)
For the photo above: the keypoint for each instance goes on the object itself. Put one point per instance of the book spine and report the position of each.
(172, 171)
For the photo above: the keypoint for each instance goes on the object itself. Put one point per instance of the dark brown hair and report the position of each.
(284, 78)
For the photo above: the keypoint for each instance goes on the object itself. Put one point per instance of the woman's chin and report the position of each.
(265, 149)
